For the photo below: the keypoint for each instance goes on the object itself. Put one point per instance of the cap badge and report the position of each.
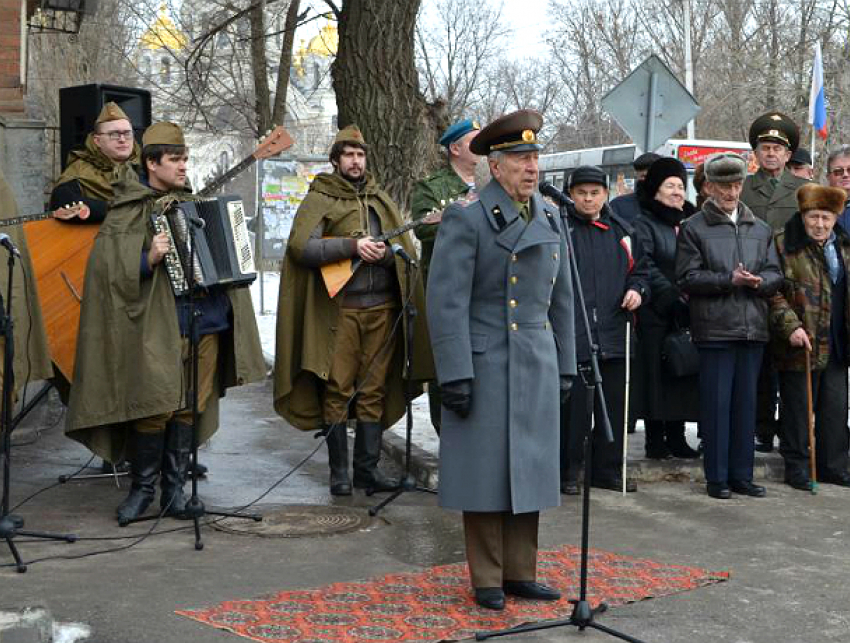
(528, 136)
(776, 117)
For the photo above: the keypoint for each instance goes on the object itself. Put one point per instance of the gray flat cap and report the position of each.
(725, 168)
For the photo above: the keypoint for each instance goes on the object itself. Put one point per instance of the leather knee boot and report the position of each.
(367, 453)
(175, 466)
(145, 463)
(338, 459)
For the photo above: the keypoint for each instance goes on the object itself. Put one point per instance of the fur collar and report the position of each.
(665, 214)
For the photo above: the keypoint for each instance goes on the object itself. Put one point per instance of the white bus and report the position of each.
(616, 161)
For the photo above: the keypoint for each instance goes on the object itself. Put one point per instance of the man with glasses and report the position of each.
(838, 175)
(108, 150)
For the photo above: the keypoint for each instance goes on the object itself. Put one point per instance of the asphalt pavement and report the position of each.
(787, 553)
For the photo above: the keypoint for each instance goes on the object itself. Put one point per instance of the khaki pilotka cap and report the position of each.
(163, 133)
(350, 134)
(111, 112)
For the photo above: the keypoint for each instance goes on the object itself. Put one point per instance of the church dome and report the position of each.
(164, 34)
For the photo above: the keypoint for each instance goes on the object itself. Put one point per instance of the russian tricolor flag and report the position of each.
(817, 100)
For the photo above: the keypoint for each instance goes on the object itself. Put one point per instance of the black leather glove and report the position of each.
(566, 388)
(457, 396)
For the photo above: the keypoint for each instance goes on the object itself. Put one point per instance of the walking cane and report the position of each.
(811, 419)
(626, 403)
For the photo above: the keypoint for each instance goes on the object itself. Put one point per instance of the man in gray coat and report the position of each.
(500, 312)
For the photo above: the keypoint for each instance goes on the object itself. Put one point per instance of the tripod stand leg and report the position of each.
(233, 514)
(199, 545)
(373, 511)
(19, 563)
(68, 538)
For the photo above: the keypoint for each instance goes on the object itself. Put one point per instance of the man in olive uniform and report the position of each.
(500, 313)
(341, 352)
(133, 347)
(453, 182)
(771, 195)
(91, 170)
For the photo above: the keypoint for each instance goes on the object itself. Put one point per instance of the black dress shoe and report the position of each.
(718, 490)
(614, 484)
(763, 447)
(491, 598)
(842, 479)
(532, 590)
(569, 487)
(801, 483)
(747, 488)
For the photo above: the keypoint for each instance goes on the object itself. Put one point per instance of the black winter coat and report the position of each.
(658, 395)
(708, 249)
(610, 262)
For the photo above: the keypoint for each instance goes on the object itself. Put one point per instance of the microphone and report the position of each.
(401, 252)
(547, 189)
(6, 242)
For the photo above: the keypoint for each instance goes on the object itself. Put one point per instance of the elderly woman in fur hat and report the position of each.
(811, 312)
(664, 401)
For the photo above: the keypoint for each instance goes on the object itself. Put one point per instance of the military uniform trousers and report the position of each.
(207, 366)
(829, 402)
(727, 399)
(500, 546)
(607, 462)
(364, 348)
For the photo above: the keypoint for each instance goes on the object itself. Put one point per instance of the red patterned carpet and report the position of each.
(437, 604)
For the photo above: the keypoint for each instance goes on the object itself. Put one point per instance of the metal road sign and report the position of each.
(650, 104)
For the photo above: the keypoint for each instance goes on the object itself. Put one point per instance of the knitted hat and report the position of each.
(588, 174)
(643, 161)
(660, 171)
(812, 196)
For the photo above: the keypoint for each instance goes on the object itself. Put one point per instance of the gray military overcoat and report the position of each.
(500, 312)
(773, 205)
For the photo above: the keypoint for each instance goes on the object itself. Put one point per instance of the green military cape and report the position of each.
(32, 354)
(306, 315)
(95, 171)
(128, 362)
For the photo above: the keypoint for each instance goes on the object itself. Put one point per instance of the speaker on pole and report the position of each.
(79, 107)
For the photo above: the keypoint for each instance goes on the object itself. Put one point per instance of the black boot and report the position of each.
(145, 463)
(654, 446)
(338, 459)
(677, 444)
(367, 452)
(175, 466)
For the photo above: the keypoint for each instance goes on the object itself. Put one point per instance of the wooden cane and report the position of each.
(811, 420)
(626, 403)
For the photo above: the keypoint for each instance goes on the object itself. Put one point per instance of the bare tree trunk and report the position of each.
(377, 88)
(773, 58)
(282, 86)
(259, 67)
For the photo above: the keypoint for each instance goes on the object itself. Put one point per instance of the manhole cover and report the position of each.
(296, 521)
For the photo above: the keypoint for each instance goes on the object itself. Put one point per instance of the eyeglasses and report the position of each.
(118, 134)
(839, 171)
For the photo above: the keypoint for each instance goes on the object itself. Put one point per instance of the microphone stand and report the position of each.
(583, 614)
(195, 509)
(11, 526)
(408, 482)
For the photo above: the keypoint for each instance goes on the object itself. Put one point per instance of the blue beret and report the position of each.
(458, 130)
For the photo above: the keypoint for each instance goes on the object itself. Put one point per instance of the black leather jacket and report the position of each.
(709, 247)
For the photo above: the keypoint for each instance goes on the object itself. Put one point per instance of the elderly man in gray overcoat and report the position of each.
(500, 312)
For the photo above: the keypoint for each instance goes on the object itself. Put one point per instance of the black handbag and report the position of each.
(679, 355)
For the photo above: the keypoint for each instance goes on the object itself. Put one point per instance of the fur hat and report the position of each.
(812, 196)
(588, 174)
(163, 133)
(725, 167)
(660, 171)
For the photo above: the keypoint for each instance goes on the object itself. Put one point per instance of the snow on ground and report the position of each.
(424, 435)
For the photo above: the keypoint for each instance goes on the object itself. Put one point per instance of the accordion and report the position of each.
(222, 253)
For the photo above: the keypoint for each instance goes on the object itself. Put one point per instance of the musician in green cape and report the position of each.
(132, 351)
(32, 355)
(331, 348)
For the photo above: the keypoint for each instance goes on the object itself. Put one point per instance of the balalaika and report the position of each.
(223, 253)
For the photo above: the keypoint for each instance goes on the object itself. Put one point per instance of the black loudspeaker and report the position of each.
(80, 106)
